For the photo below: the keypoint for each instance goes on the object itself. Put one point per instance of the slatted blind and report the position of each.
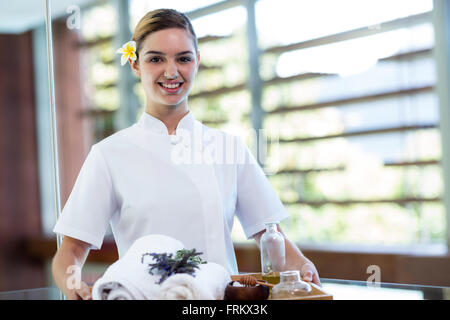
(350, 109)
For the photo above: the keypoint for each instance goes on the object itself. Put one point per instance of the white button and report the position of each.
(174, 139)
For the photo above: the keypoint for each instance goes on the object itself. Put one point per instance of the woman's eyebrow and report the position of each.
(184, 52)
(163, 54)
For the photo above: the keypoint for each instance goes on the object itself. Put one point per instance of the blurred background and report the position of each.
(350, 96)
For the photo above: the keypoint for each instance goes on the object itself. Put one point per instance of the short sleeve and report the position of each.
(91, 204)
(257, 201)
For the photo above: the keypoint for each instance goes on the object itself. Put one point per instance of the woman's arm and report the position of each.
(69, 259)
(295, 260)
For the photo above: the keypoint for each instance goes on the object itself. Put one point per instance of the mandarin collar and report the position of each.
(154, 125)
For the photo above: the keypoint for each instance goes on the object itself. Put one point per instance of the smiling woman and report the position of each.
(167, 70)
(134, 180)
(167, 45)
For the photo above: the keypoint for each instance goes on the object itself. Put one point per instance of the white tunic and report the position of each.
(188, 186)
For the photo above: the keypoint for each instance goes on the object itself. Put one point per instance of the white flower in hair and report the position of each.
(128, 51)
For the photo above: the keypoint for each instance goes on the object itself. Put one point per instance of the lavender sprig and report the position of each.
(185, 261)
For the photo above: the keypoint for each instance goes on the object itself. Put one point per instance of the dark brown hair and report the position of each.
(161, 19)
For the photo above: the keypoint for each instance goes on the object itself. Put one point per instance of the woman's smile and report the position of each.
(173, 87)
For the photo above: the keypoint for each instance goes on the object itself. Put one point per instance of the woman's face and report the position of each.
(167, 66)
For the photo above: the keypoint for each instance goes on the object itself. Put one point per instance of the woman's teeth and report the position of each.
(171, 85)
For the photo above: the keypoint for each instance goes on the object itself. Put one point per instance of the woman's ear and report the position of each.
(135, 67)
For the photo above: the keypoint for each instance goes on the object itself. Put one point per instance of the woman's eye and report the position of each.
(185, 59)
(154, 60)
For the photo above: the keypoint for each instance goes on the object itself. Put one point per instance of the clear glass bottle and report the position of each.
(273, 256)
(290, 286)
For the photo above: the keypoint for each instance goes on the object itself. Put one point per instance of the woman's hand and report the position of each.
(81, 293)
(308, 272)
(295, 260)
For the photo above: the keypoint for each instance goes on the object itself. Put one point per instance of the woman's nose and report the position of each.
(171, 71)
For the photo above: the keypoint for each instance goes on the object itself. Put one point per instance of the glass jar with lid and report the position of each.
(291, 286)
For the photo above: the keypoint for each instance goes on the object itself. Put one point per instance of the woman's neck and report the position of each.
(170, 116)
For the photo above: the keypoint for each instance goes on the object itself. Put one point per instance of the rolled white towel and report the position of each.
(115, 291)
(120, 294)
(128, 277)
(115, 288)
(209, 283)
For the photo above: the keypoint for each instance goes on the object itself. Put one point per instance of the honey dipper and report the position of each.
(249, 280)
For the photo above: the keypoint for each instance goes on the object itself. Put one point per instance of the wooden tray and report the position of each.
(317, 293)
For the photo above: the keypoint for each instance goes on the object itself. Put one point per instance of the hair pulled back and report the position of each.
(161, 19)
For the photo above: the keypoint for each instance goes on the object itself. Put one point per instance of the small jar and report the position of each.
(290, 286)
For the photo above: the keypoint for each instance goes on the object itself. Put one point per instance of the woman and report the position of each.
(154, 177)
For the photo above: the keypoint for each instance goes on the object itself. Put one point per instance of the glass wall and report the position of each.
(26, 167)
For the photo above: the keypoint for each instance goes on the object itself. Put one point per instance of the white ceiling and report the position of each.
(17, 16)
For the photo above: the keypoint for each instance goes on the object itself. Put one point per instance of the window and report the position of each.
(350, 109)
(349, 94)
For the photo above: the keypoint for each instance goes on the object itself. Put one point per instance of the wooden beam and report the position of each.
(219, 91)
(203, 67)
(213, 8)
(362, 133)
(87, 44)
(412, 163)
(211, 38)
(294, 171)
(353, 100)
(411, 55)
(355, 33)
(399, 201)
(96, 113)
(213, 122)
(308, 171)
